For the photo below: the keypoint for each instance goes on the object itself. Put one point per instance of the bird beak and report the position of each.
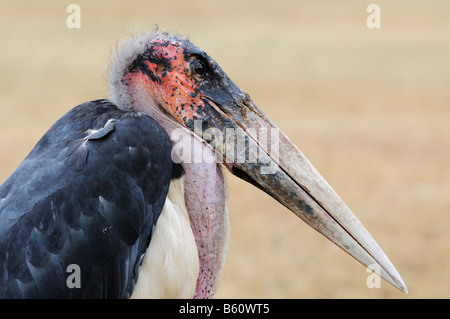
(267, 158)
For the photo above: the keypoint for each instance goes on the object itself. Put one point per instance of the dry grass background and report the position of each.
(370, 108)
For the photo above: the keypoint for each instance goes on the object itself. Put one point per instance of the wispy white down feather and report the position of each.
(124, 57)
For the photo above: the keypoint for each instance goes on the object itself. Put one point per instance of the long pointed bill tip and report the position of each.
(401, 285)
(394, 278)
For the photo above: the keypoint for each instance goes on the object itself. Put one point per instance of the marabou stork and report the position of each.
(112, 187)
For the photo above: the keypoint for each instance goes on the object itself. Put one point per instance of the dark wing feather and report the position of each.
(88, 194)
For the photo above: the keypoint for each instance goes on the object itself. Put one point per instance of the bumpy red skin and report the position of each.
(167, 75)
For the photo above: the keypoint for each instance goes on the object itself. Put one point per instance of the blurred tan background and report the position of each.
(369, 107)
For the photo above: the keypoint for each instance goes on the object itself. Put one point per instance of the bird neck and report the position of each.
(205, 194)
(204, 185)
(205, 201)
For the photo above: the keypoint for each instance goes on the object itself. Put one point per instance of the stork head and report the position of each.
(185, 84)
(175, 74)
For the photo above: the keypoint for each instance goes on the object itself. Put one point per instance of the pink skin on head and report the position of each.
(175, 87)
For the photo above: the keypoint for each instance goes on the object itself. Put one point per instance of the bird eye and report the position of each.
(198, 67)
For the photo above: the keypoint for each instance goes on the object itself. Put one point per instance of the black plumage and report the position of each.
(88, 194)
